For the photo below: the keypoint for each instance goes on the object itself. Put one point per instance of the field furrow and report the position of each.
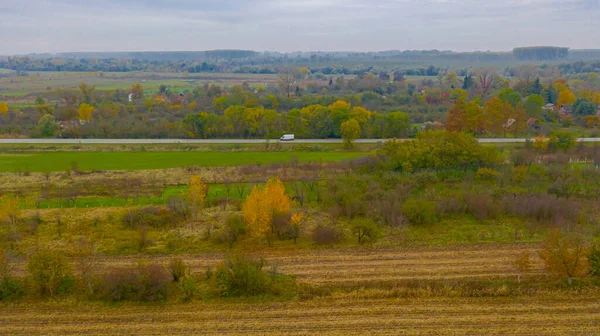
(462, 316)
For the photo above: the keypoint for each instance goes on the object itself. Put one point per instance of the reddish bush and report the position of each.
(325, 235)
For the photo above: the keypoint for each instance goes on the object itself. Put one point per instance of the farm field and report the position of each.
(344, 315)
(379, 305)
(62, 161)
(37, 82)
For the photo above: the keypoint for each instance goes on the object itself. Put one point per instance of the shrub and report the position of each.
(452, 202)
(562, 140)
(541, 208)
(148, 216)
(564, 255)
(438, 150)
(241, 276)
(325, 235)
(522, 157)
(389, 207)
(420, 211)
(50, 273)
(188, 286)
(234, 227)
(481, 206)
(178, 206)
(594, 261)
(9, 288)
(541, 143)
(485, 174)
(425, 178)
(519, 173)
(366, 230)
(145, 282)
(178, 269)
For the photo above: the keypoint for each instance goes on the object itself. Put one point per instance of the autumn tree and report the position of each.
(475, 121)
(519, 125)
(350, 132)
(485, 78)
(10, 213)
(288, 80)
(197, 194)
(296, 222)
(49, 272)
(566, 97)
(3, 108)
(521, 264)
(564, 255)
(339, 112)
(456, 119)
(494, 114)
(82, 253)
(262, 205)
(137, 91)
(87, 92)
(451, 80)
(85, 112)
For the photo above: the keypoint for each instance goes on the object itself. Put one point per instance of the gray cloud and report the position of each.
(287, 25)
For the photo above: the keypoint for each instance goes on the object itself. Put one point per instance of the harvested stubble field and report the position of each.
(348, 267)
(343, 314)
(373, 307)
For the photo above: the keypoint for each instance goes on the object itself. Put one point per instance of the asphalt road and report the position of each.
(225, 141)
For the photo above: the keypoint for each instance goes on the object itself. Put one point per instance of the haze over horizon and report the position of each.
(43, 26)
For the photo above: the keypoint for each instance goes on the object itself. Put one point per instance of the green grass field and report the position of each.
(62, 161)
(37, 82)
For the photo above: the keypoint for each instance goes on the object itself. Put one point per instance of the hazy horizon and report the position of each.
(42, 26)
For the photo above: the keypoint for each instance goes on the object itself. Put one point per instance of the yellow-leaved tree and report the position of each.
(197, 194)
(85, 112)
(262, 205)
(566, 97)
(565, 256)
(3, 108)
(296, 224)
(10, 212)
(350, 132)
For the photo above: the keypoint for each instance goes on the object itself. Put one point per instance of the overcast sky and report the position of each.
(36, 26)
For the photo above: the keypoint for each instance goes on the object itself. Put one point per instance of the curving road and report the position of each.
(228, 141)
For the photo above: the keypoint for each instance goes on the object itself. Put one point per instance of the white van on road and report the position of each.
(287, 137)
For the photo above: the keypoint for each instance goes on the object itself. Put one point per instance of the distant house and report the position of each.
(67, 124)
(566, 109)
(549, 107)
(436, 125)
(534, 124)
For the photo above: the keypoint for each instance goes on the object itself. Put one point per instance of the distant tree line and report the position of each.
(540, 53)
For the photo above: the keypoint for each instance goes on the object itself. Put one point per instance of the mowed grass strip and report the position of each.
(86, 161)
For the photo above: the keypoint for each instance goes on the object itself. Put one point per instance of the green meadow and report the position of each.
(86, 161)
